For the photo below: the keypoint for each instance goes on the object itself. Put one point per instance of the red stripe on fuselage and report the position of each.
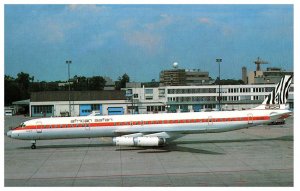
(152, 122)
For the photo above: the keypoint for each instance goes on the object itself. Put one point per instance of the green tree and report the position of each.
(11, 90)
(96, 83)
(228, 81)
(121, 83)
(80, 83)
(23, 80)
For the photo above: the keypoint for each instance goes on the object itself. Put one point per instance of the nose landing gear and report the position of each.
(33, 146)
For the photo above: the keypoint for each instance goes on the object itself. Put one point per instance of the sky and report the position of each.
(142, 40)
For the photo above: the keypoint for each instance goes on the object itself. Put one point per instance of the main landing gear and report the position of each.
(33, 146)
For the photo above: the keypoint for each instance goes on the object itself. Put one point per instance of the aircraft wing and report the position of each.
(166, 135)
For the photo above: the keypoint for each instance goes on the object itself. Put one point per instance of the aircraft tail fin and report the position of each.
(278, 97)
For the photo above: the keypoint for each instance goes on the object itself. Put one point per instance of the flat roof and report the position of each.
(21, 102)
(77, 95)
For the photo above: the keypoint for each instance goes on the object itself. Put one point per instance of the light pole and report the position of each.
(69, 62)
(219, 60)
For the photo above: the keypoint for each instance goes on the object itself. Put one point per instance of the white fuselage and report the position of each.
(155, 129)
(142, 124)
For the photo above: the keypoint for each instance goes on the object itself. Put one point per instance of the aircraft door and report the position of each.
(87, 126)
(87, 129)
(209, 120)
(38, 127)
(250, 118)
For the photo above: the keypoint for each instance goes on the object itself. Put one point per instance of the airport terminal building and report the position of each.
(82, 103)
(137, 99)
(200, 98)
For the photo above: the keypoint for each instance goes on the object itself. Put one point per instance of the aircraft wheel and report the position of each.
(33, 146)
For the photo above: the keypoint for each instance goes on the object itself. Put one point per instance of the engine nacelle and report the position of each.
(123, 141)
(139, 141)
(149, 141)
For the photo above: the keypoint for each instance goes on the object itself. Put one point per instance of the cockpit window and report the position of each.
(22, 125)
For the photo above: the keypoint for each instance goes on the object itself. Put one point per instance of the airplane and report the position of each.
(155, 129)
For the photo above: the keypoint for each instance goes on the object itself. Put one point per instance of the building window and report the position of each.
(149, 98)
(255, 97)
(135, 95)
(148, 91)
(95, 107)
(86, 111)
(233, 98)
(171, 91)
(39, 109)
(178, 91)
(269, 89)
(128, 92)
(161, 92)
(156, 108)
(212, 90)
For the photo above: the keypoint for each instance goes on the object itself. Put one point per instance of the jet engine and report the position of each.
(139, 141)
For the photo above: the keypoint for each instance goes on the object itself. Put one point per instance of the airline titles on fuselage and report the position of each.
(91, 120)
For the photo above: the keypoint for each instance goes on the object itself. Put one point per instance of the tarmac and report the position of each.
(260, 156)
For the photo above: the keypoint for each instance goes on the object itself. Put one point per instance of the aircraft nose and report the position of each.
(9, 133)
